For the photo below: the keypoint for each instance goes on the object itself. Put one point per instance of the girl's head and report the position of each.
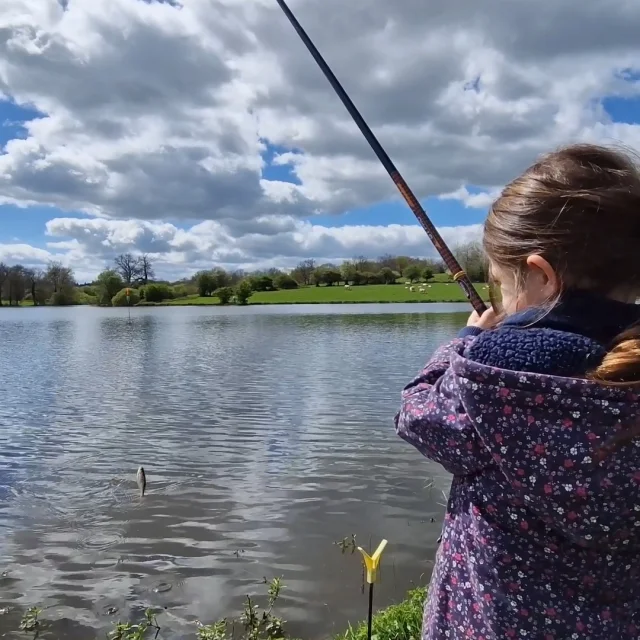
(570, 221)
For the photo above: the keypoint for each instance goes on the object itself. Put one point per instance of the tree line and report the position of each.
(131, 279)
(54, 285)
(387, 269)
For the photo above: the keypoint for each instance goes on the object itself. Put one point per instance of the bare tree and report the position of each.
(146, 268)
(362, 264)
(59, 276)
(15, 284)
(304, 271)
(389, 261)
(54, 274)
(237, 276)
(61, 283)
(34, 282)
(128, 266)
(4, 274)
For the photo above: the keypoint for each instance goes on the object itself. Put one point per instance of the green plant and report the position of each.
(157, 292)
(205, 283)
(180, 291)
(215, 631)
(243, 292)
(63, 298)
(275, 587)
(388, 275)
(261, 283)
(208, 281)
(285, 281)
(108, 283)
(130, 631)
(81, 297)
(30, 621)
(273, 627)
(412, 273)
(120, 299)
(250, 619)
(401, 621)
(224, 294)
(256, 624)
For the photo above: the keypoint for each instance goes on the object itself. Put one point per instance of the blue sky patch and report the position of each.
(282, 173)
(623, 109)
(443, 213)
(12, 119)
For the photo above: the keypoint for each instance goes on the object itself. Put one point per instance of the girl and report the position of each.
(535, 414)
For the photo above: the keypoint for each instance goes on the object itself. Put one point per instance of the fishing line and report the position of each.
(458, 273)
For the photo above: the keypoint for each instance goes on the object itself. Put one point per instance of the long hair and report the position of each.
(579, 208)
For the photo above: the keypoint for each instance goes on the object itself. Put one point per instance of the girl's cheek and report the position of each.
(510, 303)
(507, 300)
(509, 307)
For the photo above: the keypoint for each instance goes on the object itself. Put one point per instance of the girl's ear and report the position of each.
(543, 279)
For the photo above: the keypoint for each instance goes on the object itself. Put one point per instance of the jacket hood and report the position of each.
(545, 433)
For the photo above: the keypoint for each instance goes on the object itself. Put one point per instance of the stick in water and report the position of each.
(448, 258)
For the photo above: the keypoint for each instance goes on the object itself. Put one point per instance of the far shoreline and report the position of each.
(180, 303)
(429, 294)
(299, 302)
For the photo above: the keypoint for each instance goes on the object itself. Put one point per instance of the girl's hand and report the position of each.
(488, 320)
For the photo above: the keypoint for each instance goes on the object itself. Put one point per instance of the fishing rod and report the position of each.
(458, 273)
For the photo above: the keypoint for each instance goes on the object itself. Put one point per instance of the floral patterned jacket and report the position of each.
(541, 538)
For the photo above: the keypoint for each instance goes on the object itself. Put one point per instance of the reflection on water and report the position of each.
(266, 435)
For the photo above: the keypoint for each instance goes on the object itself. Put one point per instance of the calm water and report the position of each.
(266, 434)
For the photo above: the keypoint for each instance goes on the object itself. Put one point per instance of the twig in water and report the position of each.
(347, 543)
(446, 499)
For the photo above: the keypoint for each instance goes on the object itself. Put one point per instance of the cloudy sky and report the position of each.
(204, 134)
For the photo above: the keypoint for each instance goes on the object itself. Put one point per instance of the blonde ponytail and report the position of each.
(621, 366)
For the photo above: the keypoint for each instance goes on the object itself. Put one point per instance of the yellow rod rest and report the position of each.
(373, 562)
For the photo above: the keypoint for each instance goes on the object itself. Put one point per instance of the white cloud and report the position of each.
(480, 200)
(19, 253)
(282, 242)
(154, 112)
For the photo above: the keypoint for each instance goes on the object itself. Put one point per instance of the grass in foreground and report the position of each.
(373, 293)
(401, 621)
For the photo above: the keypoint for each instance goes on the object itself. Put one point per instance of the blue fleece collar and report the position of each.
(582, 313)
(568, 340)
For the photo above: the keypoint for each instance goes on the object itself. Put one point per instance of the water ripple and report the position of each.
(266, 436)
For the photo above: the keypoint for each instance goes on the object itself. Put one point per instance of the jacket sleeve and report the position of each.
(433, 420)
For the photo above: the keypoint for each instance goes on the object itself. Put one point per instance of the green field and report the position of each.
(437, 290)
(374, 293)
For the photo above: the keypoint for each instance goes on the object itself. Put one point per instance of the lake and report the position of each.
(266, 434)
